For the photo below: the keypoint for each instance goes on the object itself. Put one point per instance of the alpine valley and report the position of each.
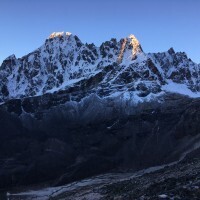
(70, 111)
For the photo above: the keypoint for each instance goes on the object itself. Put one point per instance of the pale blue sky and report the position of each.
(158, 24)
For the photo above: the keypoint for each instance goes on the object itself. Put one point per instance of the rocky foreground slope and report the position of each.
(180, 180)
(71, 110)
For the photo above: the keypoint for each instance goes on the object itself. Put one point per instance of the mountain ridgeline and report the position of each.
(63, 62)
(71, 110)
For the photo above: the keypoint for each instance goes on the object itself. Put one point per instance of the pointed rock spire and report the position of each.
(135, 44)
(130, 44)
(171, 51)
(11, 57)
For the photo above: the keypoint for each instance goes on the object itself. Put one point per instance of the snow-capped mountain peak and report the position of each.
(59, 34)
(135, 44)
(129, 49)
(63, 61)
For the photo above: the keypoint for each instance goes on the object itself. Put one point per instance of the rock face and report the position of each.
(43, 139)
(71, 110)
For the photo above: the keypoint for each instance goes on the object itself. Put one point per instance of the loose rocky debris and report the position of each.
(181, 181)
(178, 181)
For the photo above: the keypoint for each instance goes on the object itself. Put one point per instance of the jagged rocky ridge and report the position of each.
(71, 110)
(116, 67)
